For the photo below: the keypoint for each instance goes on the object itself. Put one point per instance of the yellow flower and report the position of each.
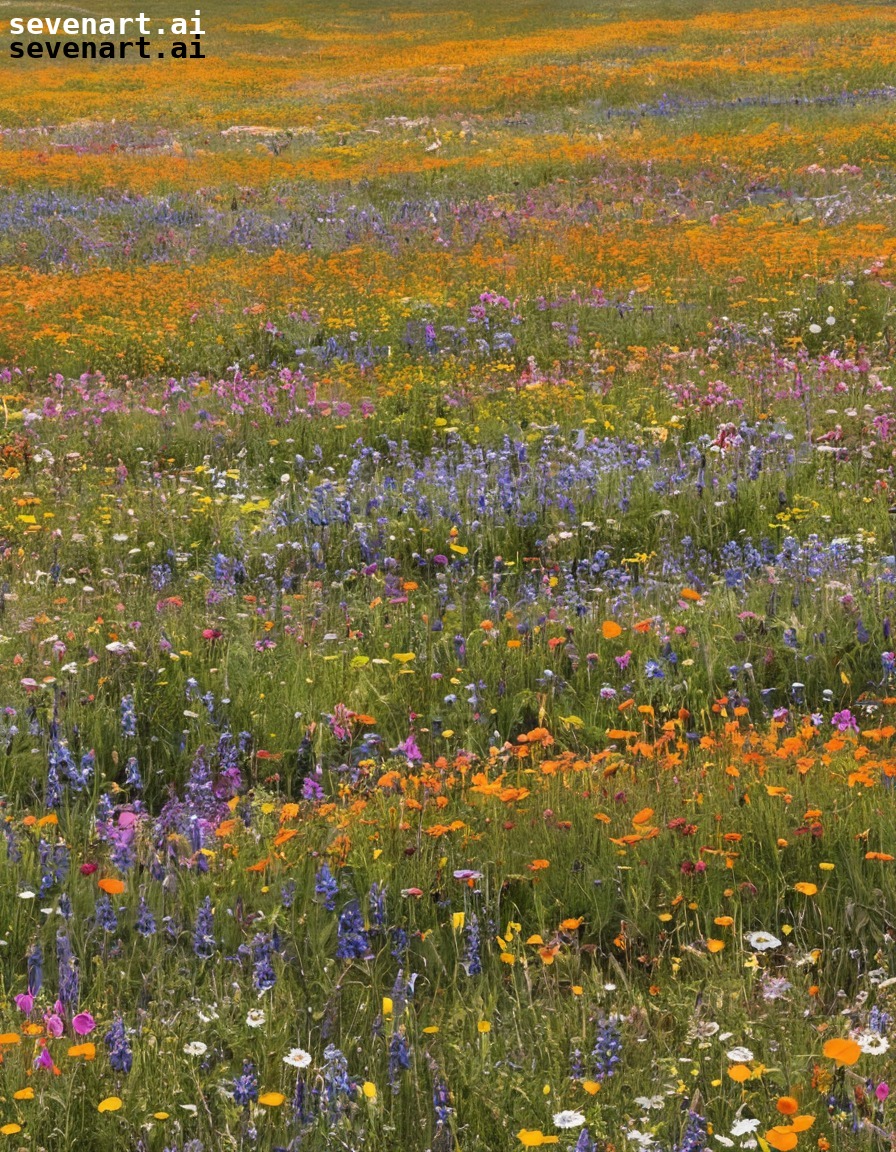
(484, 1026)
(23, 1094)
(271, 1099)
(369, 1089)
(535, 1138)
(806, 888)
(110, 1104)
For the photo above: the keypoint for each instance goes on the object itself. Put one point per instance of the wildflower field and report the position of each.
(447, 681)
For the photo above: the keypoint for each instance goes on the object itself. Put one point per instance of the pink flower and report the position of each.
(54, 1024)
(24, 1002)
(83, 1023)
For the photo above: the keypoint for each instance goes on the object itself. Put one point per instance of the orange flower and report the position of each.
(538, 865)
(842, 1051)
(112, 886)
(787, 1105)
(610, 629)
(690, 594)
(782, 1138)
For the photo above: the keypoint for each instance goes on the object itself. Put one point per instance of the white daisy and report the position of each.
(762, 941)
(297, 1058)
(872, 1043)
(195, 1048)
(743, 1127)
(256, 1018)
(740, 1055)
(568, 1119)
(649, 1102)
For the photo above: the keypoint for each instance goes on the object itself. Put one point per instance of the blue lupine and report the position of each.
(399, 1058)
(326, 885)
(145, 922)
(472, 961)
(338, 1088)
(441, 1103)
(245, 1086)
(352, 942)
(128, 717)
(105, 915)
(263, 975)
(605, 1055)
(204, 943)
(35, 965)
(695, 1138)
(377, 903)
(132, 776)
(67, 967)
(121, 1058)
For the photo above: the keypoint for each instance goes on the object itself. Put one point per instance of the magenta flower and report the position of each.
(882, 1091)
(24, 1002)
(83, 1023)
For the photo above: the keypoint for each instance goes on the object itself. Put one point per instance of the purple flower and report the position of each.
(845, 721)
(409, 748)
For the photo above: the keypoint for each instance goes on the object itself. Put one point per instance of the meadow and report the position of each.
(447, 582)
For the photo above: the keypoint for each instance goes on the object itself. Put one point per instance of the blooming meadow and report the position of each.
(448, 582)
